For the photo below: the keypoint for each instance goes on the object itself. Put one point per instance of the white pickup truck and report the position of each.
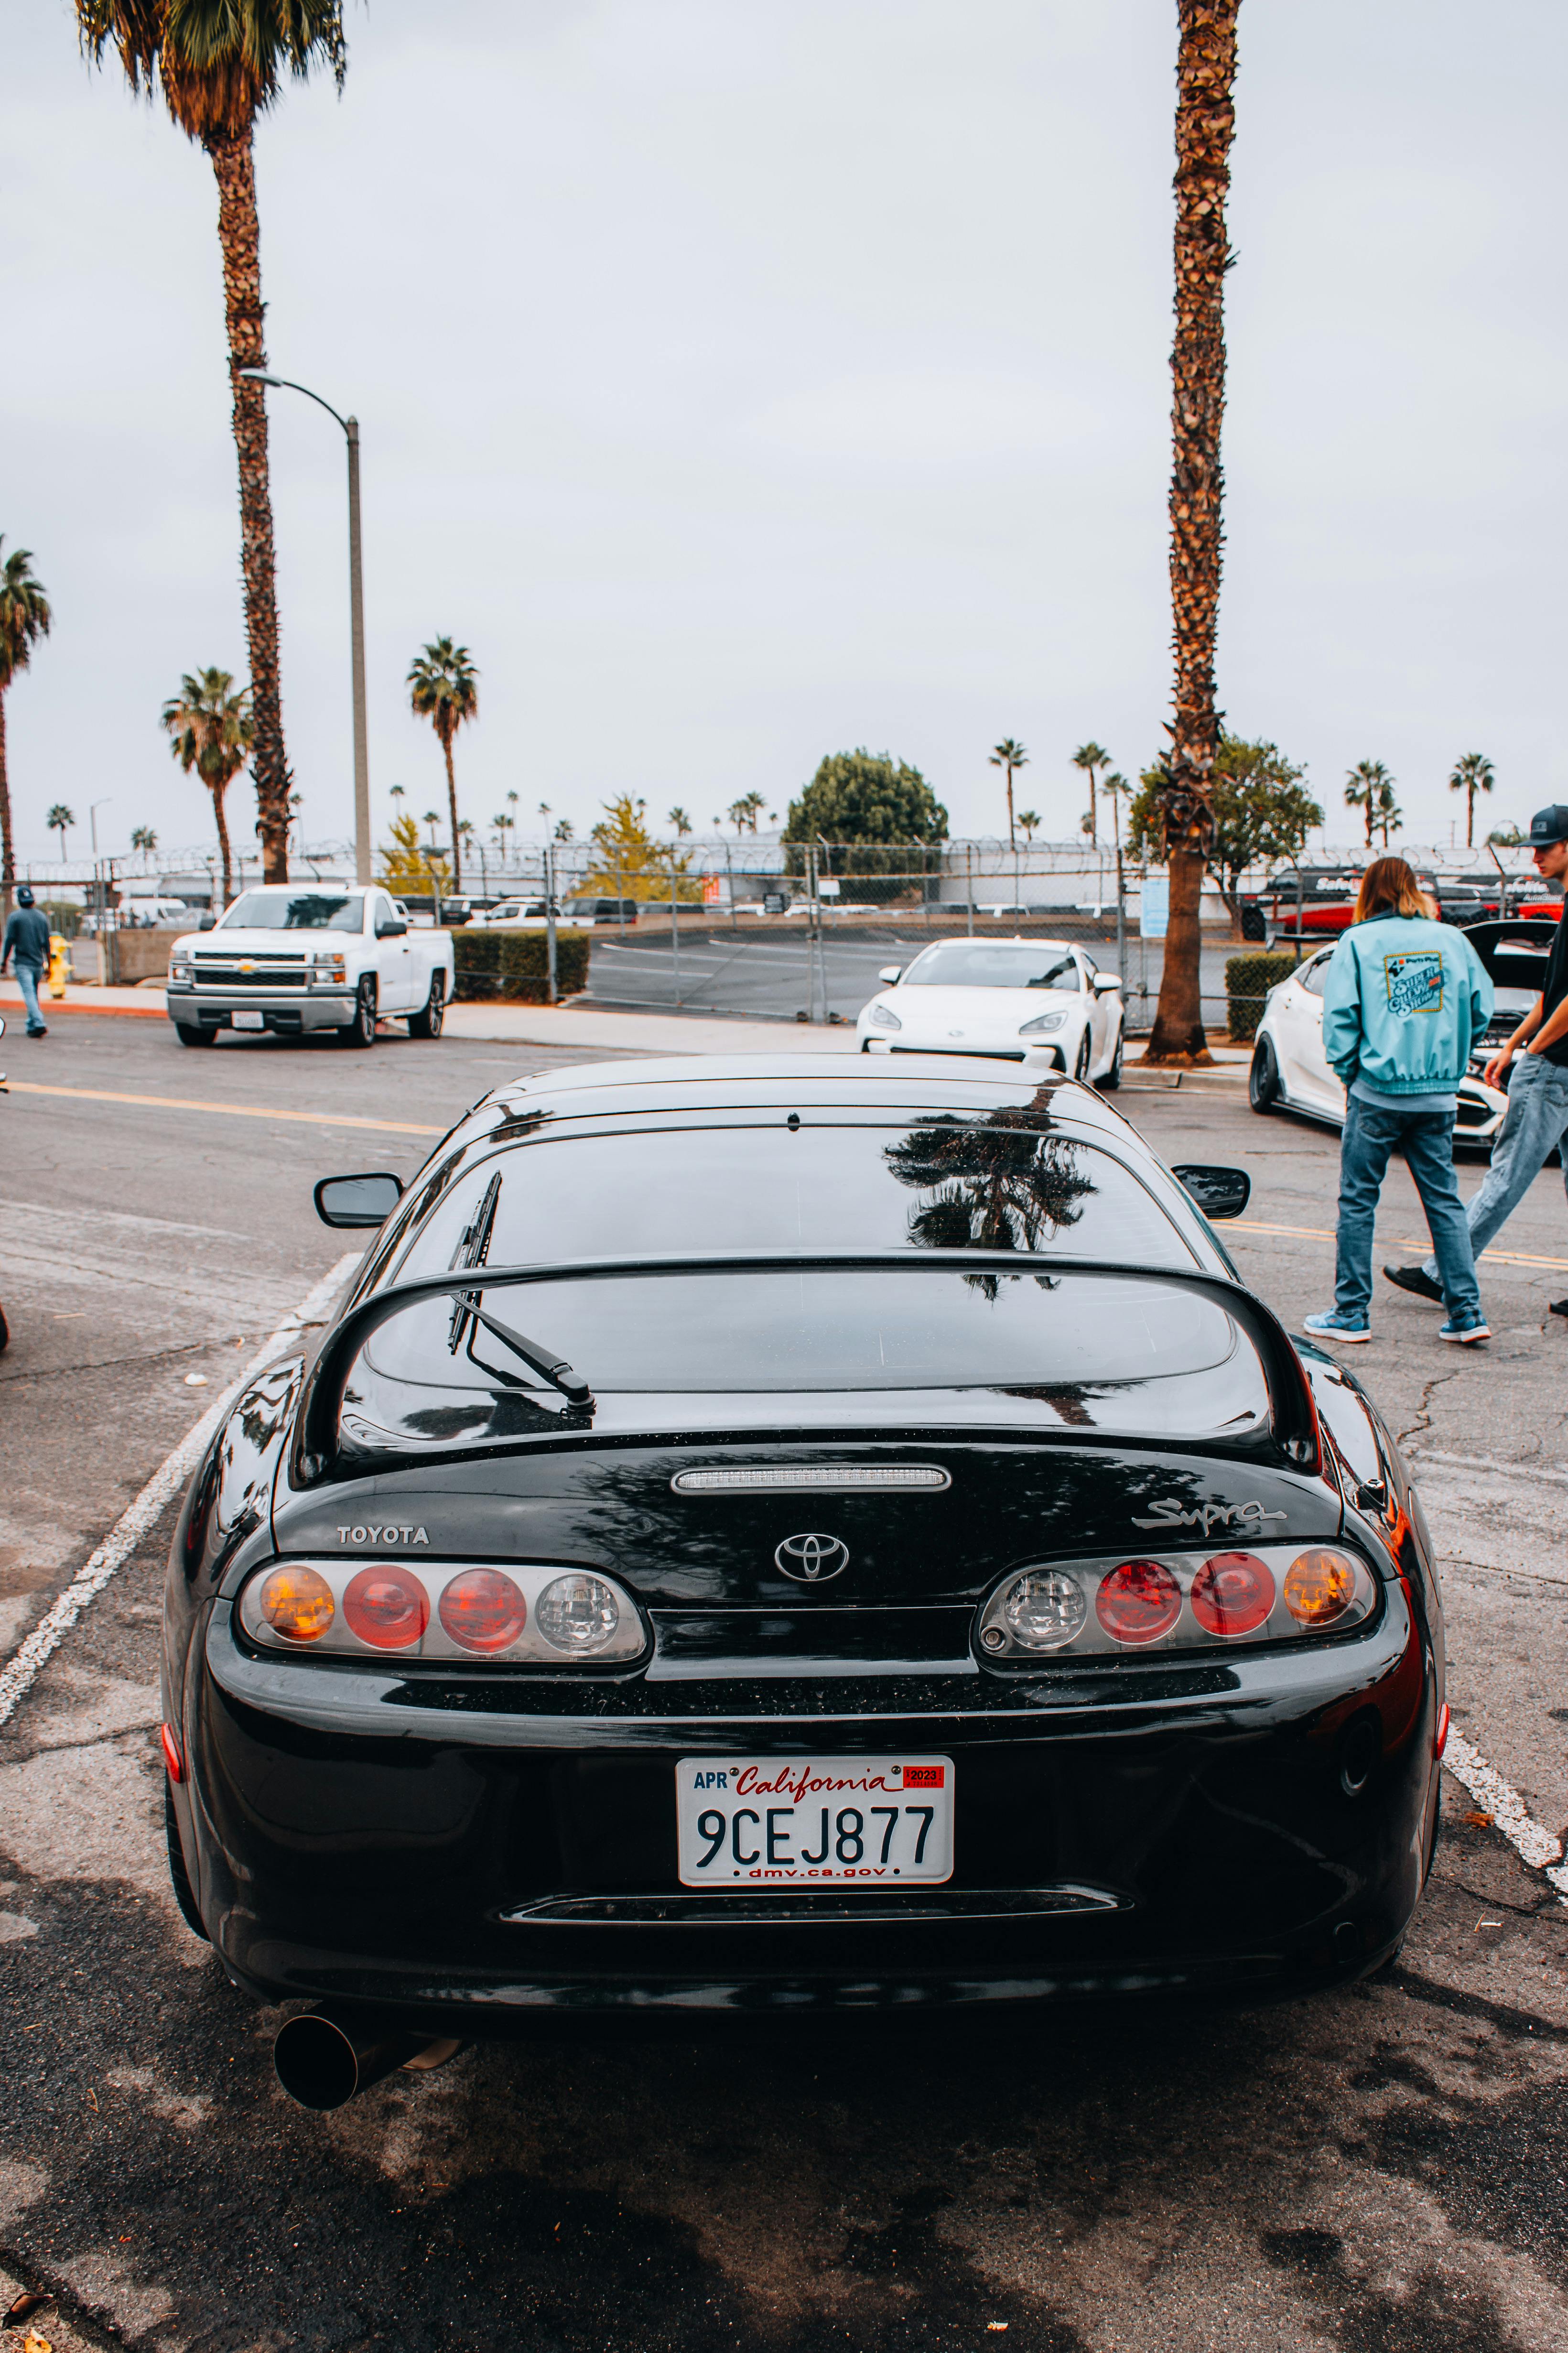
(292, 956)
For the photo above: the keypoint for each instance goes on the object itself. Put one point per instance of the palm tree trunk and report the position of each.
(239, 235)
(452, 804)
(8, 854)
(217, 792)
(1205, 119)
(1012, 835)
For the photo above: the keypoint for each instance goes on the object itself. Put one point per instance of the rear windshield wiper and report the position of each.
(472, 1251)
(553, 1369)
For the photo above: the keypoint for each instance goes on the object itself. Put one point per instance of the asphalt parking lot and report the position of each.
(1382, 2170)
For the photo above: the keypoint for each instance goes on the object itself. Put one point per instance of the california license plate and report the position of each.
(752, 1824)
(250, 1020)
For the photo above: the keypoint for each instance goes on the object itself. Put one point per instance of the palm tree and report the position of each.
(1088, 757)
(1010, 755)
(24, 620)
(1472, 774)
(680, 819)
(143, 838)
(214, 732)
(58, 821)
(1390, 816)
(1365, 785)
(744, 814)
(565, 829)
(220, 63)
(1206, 120)
(444, 688)
(1029, 819)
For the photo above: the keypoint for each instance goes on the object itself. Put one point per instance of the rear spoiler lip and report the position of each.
(313, 1455)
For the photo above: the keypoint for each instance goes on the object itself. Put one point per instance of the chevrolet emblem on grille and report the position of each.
(247, 968)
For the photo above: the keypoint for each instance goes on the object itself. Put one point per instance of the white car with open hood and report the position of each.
(293, 956)
(1003, 998)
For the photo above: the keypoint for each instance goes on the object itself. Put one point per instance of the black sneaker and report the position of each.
(1558, 1307)
(1417, 1282)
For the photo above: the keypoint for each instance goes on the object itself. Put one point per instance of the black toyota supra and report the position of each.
(793, 1535)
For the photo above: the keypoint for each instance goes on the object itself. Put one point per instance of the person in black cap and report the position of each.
(1533, 1066)
(26, 943)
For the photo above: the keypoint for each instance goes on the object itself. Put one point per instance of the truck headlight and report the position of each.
(328, 971)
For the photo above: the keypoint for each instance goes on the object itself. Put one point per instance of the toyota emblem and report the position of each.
(811, 1558)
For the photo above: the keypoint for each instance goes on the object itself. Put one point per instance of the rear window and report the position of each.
(996, 1182)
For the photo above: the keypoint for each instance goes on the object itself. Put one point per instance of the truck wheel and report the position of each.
(361, 1031)
(427, 1023)
(189, 1035)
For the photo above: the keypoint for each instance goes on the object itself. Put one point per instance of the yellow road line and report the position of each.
(230, 1111)
(1394, 1242)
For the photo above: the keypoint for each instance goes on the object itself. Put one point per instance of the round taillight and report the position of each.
(387, 1607)
(1139, 1601)
(483, 1610)
(1318, 1587)
(1043, 1610)
(577, 1613)
(298, 1604)
(1233, 1593)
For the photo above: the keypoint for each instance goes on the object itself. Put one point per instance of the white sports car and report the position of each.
(1004, 998)
(1290, 1072)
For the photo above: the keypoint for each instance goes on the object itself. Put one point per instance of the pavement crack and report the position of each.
(1423, 1421)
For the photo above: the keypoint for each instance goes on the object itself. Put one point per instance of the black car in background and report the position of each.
(772, 1536)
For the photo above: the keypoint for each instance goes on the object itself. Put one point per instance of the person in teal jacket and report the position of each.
(1404, 999)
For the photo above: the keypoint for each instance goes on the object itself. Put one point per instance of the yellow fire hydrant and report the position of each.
(59, 964)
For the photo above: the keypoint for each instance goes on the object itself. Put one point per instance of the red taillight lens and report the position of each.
(1233, 1593)
(297, 1602)
(1318, 1587)
(1139, 1601)
(387, 1607)
(483, 1610)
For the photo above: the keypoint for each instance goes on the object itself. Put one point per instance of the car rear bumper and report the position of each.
(288, 1011)
(353, 1837)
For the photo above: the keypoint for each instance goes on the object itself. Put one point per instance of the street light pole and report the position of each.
(356, 615)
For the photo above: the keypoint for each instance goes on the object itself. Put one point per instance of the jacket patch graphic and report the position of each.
(1415, 981)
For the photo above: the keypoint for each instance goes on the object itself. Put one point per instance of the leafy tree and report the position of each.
(58, 818)
(1206, 120)
(878, 816)
(25, 618)
(403, 867)
(1010, 755)
(1090, 757)
(1506, 837)
(444, 688)
(1030, 822)
(627, 862)
(1365, 785)
(220, 64)
(213, 731)
(1473, 774)
(1260, 812)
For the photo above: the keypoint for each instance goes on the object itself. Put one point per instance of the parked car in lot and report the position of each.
(1290, 1070)
(293, 957)
(780, 1535)
(601, 911)
(517, 915)
(1006, 997)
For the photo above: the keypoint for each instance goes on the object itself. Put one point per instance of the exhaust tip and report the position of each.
(317, 2062)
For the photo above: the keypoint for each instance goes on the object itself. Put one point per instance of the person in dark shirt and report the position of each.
(1533, 1066)
(27, 944)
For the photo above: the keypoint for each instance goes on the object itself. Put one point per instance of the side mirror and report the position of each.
(890, 974)
(208, 923)
(1219, 1192)
(358, 1200)
(389, 928)
(1104, 982)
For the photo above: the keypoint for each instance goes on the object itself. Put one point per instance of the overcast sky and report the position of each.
(744, 379)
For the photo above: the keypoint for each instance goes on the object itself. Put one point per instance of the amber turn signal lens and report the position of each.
(483, 1610)
(1318, 1587)
(1233, 1594)
(298, 1603)
(387, 1607)
(1139, 1601)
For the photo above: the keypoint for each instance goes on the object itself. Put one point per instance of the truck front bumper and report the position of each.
(286, 1011)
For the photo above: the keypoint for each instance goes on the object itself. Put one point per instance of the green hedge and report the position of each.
(1248, 981)
(512, 965)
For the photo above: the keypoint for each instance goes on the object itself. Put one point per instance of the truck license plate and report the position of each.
(250, 1020)
(752, 1824)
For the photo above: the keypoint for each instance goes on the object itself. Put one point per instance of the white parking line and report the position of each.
(133, 1523)
(1539, 1847)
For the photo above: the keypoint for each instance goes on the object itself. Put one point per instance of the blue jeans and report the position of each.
(1371, 1133)
(1536, 1119)
(28, 976)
